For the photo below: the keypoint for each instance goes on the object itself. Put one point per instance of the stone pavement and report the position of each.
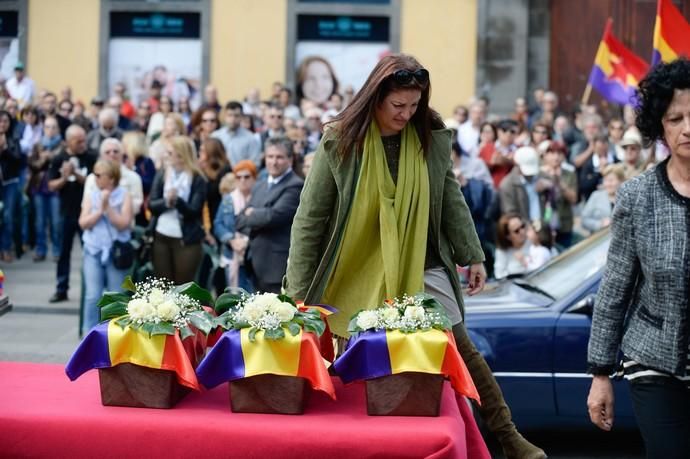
(35, 330)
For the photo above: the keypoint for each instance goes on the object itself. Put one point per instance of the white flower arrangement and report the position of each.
(158, 307)
(407, 314)
(267, 312)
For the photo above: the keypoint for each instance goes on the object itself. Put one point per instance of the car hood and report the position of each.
(505, 294)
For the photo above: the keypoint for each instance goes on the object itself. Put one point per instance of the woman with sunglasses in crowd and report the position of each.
(381, 215)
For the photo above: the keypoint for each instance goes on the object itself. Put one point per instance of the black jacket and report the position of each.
(189, 211)
(11, 160)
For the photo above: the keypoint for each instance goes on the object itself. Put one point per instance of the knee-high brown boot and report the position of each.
(494, 411)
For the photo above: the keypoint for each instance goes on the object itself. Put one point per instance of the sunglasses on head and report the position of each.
(404, 76)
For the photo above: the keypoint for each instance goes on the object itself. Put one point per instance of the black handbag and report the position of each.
(122, 254)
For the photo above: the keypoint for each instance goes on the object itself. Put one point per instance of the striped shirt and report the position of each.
(638, 373)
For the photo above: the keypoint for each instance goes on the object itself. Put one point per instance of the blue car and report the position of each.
(533, 332)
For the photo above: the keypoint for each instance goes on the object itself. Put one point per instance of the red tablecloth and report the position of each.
(43, 414)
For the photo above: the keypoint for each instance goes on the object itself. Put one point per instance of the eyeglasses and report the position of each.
(243, 177)
(518, 229)
(404, 76)
(208, 120)
(541, 131)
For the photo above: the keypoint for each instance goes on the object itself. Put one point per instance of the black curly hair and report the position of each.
(654, 96)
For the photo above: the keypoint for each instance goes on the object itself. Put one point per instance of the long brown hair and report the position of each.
(351, 125)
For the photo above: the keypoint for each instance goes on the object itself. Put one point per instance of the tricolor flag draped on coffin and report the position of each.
(616, 70)
(671, 33)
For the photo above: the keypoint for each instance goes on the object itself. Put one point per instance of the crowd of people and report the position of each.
(229, 177)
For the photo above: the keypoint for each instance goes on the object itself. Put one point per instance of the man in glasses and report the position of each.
(499, 156)
(273, 121)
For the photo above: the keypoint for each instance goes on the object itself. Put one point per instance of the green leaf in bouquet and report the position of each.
(113, 310)
(123, 322)
(229, 300)
(162, 328)
(294, 328)
(274, 334)
(194, 291)
(201, 320)
(186, 332)
(113, 297)
(315, 326)
(287, 299)
(352, 327)
(128, 284)
(252, 334)
(147, 327)
(224, 321)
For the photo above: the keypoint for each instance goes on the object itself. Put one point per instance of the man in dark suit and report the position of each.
(267, 219)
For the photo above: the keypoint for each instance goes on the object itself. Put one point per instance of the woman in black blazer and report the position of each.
(177, 200)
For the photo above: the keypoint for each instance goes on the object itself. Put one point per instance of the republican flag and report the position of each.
(373, 354)
(671, 33)
(616, 70)
(235, 356)
(108, 345)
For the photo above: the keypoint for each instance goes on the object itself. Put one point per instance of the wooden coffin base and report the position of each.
(128, 384)
(404, 394)
(269, 394)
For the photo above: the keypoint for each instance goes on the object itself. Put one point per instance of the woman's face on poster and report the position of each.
(318, 82)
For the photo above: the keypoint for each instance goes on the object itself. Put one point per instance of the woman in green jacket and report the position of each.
(381, 215)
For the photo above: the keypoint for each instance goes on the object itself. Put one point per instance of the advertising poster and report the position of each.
(165, 47)
(9, 43)
(336, 52)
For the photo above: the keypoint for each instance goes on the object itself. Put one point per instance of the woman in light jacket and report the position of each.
(106, 216)
(597, 212)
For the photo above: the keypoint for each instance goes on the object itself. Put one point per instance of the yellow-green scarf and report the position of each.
(382, 251)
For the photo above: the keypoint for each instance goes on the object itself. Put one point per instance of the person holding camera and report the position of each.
(106, 219)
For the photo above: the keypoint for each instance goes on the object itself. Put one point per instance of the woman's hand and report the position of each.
(477, 278)
(105, 196)
(600, 402)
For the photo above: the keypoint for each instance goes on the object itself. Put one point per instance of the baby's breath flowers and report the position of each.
(158, 307)
(407, 314)
(267, 312)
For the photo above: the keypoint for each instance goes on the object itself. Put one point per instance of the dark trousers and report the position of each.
(662, 410)
(70, 227)
(174, 260)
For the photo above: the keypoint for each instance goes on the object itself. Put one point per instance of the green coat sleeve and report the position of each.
(457, 224)
(310, 226)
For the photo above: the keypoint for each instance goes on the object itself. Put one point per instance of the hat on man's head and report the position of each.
(631, 138)
(19, 65)
(527, 159)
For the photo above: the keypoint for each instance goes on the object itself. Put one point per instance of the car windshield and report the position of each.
(565, 272)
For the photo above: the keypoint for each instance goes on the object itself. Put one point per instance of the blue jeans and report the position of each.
(23, 207)
(98, 277)
(10, 194)
(47, 218)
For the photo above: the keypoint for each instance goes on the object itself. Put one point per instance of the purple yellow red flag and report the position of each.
(107, 345)
(617, 70)
(379, 353)
(671, 33)
(235, 356)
